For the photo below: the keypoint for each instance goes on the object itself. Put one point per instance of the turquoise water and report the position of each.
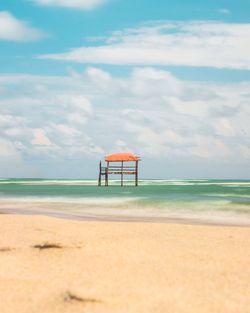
(226, 201)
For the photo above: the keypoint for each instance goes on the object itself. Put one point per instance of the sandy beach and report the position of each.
(55, 265)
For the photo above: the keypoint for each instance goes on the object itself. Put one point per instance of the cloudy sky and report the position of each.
(168, 80)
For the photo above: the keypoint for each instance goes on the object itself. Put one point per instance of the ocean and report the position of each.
(201, 201)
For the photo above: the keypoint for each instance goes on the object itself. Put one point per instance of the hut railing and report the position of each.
(118, 170)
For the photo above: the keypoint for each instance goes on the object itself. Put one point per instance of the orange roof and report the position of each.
(118, 157)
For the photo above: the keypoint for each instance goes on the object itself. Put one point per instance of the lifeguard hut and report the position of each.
(116, 164)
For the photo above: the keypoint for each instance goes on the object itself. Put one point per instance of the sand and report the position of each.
(55, 265)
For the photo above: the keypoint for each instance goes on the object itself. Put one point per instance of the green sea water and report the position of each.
(226, 201)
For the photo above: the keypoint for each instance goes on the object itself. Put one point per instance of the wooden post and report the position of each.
(136, 173)
(107, 175)
(100, 174)
(122, 174)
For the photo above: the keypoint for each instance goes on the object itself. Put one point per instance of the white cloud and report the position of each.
(76, 118)
(74, 4)
(40, 138)
(81, 103)
(15, 132)
(9, 120)
(150, 112)
(8, 150)
(13, 29)
(224, 127)
(211, 44)
(190, 107)
(11, 161)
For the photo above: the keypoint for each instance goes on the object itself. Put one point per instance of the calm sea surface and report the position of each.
(219, 201)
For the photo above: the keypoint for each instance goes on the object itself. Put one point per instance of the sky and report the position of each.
(167, 80)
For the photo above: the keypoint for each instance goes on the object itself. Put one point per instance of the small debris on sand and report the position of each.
(5, 249)
(70, 297)
(47, 246)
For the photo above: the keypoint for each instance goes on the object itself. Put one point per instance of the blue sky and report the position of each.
(170, 79)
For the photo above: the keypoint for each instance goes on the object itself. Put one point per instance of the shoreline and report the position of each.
(125, 219)
(56, 265)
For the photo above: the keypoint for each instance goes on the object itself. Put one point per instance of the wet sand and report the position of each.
(98, 217)
(55, 265)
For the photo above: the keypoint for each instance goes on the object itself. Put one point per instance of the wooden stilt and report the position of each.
(136, 173)
(106, 177)
(100, 174)
(107, 174)
(122, 174)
